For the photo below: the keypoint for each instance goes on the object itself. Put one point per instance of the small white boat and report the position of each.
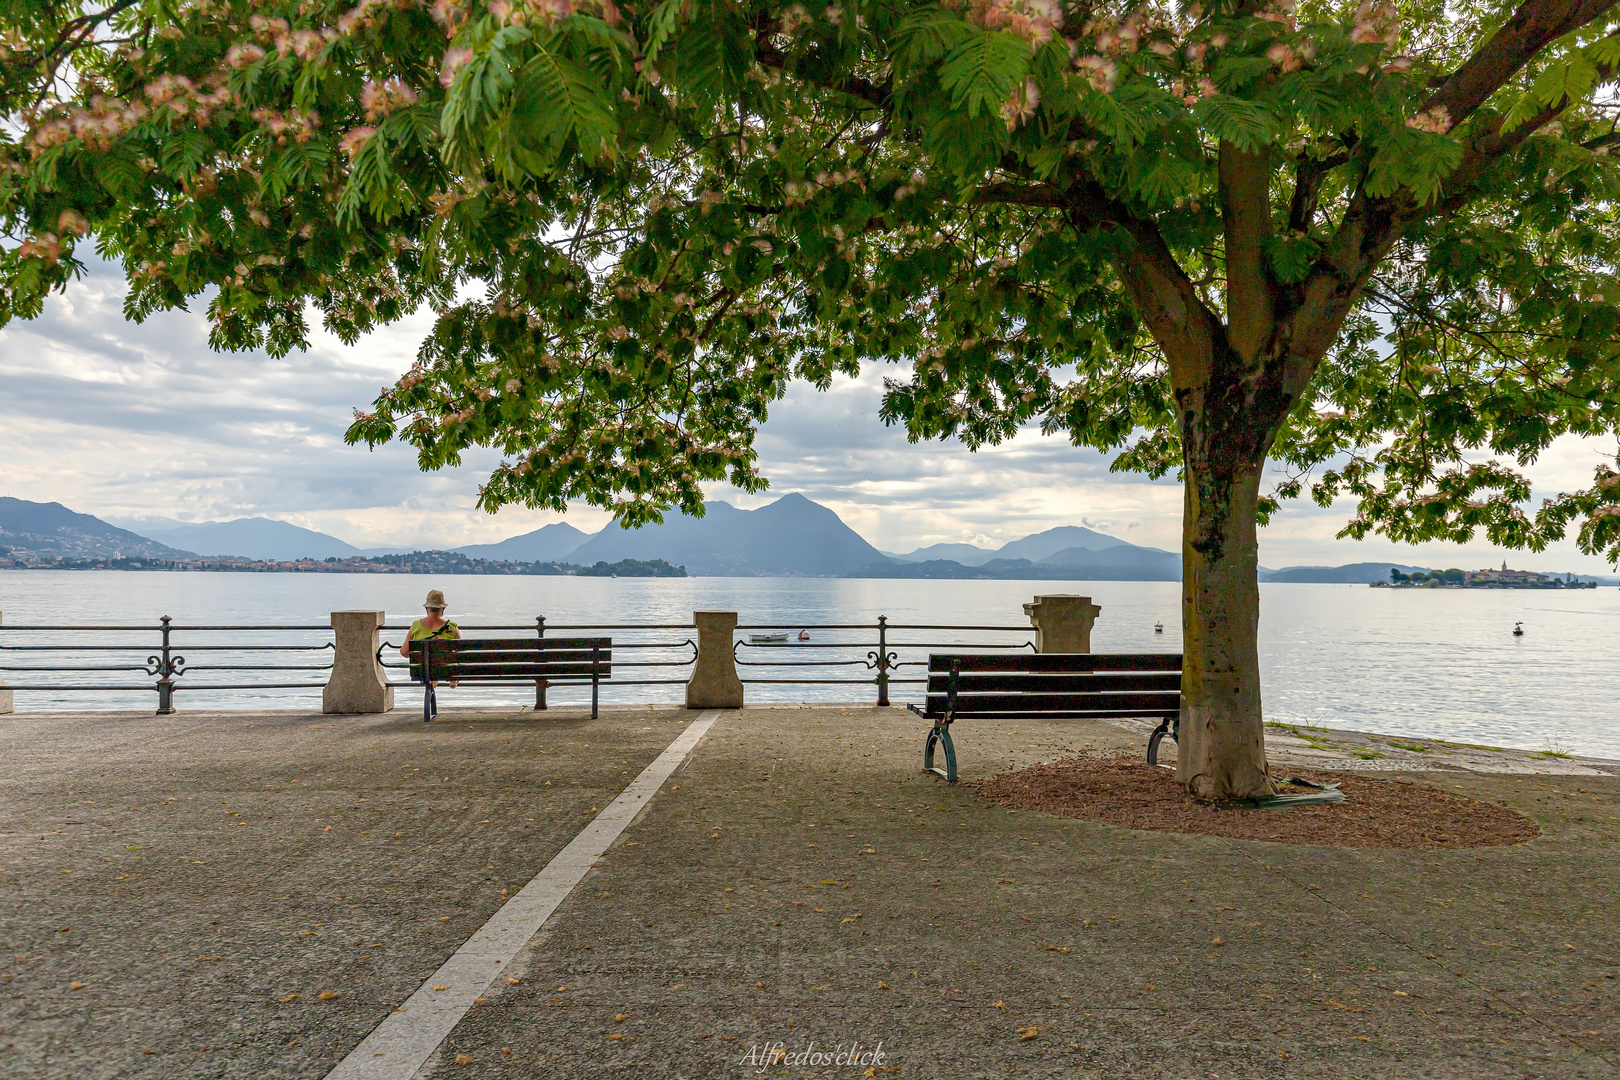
(1518, 629)
(1158, 628)
(804, 635)
(768, 639)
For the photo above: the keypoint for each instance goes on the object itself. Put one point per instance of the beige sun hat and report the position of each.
(435, 600)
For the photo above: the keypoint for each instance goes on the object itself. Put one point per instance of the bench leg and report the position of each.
(941, 734)
(1158, 736)
(430, 703)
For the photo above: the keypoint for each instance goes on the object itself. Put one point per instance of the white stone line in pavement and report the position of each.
(398, 1047)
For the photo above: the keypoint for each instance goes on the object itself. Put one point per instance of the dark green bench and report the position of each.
(545, 661)
(1057, 686)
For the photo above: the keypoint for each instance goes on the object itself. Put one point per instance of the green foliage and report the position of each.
(638, 224)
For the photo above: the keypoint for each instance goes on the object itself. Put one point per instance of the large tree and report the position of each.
(1375, 243)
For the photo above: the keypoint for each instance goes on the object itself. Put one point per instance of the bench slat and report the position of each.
(1056, 662)
(970, 705)
(480, 659)
(1037, 682)
(462, 672)
(1063, 714)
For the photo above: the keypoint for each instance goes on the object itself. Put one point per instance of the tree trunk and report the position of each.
(1220, 752)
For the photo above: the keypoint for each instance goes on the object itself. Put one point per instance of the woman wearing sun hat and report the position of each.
(432, 626)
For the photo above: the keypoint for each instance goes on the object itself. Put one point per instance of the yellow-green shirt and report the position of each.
(422, 633)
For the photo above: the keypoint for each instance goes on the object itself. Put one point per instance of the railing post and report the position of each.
(596, 674)
(883, 661)
(1062, 622)
(714, 683)
(540, 683)
(358, 683)
(5, 691)
(165, 671)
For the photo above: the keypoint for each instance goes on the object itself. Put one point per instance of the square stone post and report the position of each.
(358, 683)
(714, 683)
(5, 691)
(1062, 622)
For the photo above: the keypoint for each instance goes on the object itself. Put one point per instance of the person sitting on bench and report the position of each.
(433, 626)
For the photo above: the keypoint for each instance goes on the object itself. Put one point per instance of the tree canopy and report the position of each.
(1374, 242)
(639, 222)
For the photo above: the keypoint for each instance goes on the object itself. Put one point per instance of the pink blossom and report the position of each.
(381, 98)
(45, 247)
(354, 140)
(1437, 120)
(167, 87)
(1021, 105)
(72, 223)
(449, 14)
(454, 59)
(307, 44)
(1284, 57)
(242, 54)
(552, 10)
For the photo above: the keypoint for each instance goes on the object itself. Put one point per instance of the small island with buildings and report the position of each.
(1482, 579)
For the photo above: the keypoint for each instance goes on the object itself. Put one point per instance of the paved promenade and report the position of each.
(249, 895)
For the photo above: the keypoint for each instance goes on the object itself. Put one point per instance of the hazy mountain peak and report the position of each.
(550, 543)
(793, 535)
(52, 529)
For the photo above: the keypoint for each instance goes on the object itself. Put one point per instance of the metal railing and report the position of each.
(647, 654)
(244, 660)
(879, 654)
(166, 666)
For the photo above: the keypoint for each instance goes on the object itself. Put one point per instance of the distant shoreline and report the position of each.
(421, 562)
(566, 570)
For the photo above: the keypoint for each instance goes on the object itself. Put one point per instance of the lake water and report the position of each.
(1422, 662)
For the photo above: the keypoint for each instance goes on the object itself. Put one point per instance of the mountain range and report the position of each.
(51, 530)
(245, 538)
(792, 537)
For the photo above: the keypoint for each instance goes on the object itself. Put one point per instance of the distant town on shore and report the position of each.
(1482, 579)
(791, 537)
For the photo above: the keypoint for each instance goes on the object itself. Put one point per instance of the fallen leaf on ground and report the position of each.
(287, 999)
(208, 959)
(328, 995)
(1027, 1033)
(511, 981)
(464, 1059)
(441, 988)
(997, 1004)
(76, 986)
(619, 1018)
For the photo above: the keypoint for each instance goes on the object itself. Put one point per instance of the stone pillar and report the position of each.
(5, 692)
(1062, 622)
(358, 683)
(714, 683)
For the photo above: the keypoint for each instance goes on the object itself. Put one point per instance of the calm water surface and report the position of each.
(1414, 662)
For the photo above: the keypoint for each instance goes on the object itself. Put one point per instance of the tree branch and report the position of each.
(1245, 179)
(1531, 28)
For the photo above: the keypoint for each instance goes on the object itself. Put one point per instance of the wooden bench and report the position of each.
(1061, 686)
(546, 661)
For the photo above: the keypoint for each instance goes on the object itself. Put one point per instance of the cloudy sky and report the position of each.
(120, 420)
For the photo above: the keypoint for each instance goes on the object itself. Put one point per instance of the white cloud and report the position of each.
(114, 418)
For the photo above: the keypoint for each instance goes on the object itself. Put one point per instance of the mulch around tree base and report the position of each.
(1377, 813)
